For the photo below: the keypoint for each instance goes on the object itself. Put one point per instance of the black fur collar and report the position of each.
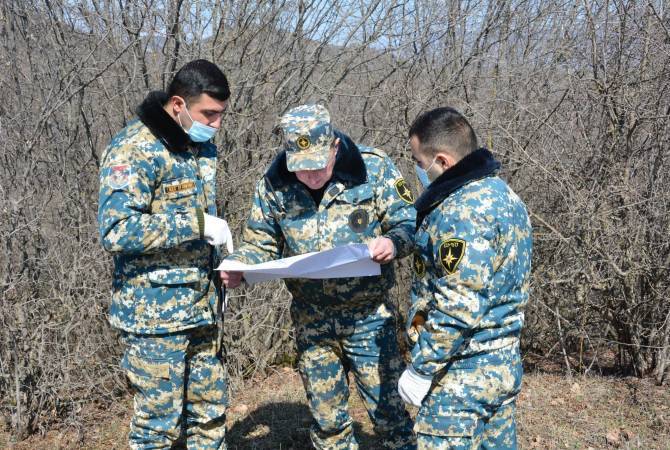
(161, 124)
(475, 166)
(349, 166)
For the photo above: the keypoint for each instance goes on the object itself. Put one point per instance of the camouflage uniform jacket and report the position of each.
(366, 197)
(471, 266)
(155, 185)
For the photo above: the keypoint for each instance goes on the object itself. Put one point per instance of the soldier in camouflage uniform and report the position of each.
(472, 267)
(157, 216)
(321, 192)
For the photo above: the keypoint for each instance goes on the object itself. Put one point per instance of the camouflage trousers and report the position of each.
(333, 342)
(472, 405)
(180, 390)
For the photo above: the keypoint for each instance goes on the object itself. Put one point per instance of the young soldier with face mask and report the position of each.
(157, 217)
(472, 271)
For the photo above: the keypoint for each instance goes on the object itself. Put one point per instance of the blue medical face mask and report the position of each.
(422, 174)
(199, 132)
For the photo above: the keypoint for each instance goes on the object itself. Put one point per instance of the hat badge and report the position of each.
(303, 142)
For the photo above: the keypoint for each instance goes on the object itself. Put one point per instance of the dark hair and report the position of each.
(198, 77)
(444, 127)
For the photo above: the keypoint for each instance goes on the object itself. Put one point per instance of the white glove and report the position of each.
(218, 233)
(413, 387)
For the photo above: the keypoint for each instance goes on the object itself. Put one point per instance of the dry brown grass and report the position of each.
(554, 412)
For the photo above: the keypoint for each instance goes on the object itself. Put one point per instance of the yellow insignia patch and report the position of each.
(451, 252)
(359, 220)
(403, 191)
(303, 142)
(419, 266)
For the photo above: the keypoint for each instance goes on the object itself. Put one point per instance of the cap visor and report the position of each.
(307, 161)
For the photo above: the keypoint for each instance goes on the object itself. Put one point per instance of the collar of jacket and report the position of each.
(349, 166)
(161, 124)
(475, 166)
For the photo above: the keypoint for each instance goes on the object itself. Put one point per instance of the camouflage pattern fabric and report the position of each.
(154, 190)
(284, 221)
(366, 198)
(331, 343)
(308, 136)
(171, 374)
(149, 197)
(472, 273)
(471, 405)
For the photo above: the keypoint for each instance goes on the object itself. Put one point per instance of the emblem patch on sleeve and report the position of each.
(403, 191)
(119, 176)
(451, 252)
(419, 266)
(358, 220)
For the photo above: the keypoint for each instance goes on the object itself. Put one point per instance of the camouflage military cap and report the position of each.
(308, 135)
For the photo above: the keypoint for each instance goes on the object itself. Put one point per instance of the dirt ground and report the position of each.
(554, 412)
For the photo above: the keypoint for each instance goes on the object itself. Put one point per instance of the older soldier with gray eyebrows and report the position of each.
(323, 191)
(470, 287)
(157, 216)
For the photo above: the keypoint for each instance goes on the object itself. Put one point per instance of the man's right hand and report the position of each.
(231, 279)
(217, 232)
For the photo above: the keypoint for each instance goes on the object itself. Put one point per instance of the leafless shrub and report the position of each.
(572, 96)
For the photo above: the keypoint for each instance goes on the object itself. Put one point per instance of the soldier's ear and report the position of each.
(445, 160)
(335, 147)
(177, 104)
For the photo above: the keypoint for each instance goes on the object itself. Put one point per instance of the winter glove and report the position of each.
(216, 232)
(413, 387)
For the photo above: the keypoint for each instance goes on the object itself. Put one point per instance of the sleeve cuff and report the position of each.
(419, 375)
(397, 243)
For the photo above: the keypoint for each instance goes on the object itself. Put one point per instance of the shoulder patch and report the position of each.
(403, 191)
(419, 266)
(451, 253)
(119, 176)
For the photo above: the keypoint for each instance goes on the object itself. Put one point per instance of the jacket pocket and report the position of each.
(446, 426)
(174, 277)
(357, 210)
(177, 194)
(150, 378)
(173, 299)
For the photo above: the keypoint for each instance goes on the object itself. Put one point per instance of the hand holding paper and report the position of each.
(382, 250)
(231, 279)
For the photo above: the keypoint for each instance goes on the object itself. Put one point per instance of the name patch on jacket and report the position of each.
(179, 187)
(403, 191)
(451, 252)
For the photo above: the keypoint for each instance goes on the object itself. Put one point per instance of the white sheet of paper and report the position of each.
(351, 260)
